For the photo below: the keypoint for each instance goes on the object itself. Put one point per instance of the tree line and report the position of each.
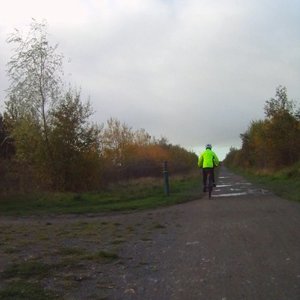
(47, 141)
(274, 142)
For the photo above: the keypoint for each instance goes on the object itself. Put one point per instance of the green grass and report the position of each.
(103, 255)
(27, 270)
(73, 255)
(71, 251)
(23, 280)
(284, 183)
(135, 195)
(284, 187)
(20, 289)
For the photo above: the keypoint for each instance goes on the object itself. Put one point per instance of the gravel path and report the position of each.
(242, 244)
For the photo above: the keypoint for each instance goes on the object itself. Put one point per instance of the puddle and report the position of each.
(259, 191)
(192, 243)
(244, 183)
(265, 191)
(223, 185)
(223, 177)
(230, 195)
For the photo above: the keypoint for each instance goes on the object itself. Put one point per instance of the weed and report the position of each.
(71, 251)
(130, 228)
(158, 226)
(146, 239)
(102, 255)
(118, 241)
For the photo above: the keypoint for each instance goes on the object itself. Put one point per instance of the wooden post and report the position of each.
(166, 178)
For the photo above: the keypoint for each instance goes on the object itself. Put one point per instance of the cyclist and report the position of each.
(207, 161)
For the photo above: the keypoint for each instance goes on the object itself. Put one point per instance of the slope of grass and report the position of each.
(133, 195)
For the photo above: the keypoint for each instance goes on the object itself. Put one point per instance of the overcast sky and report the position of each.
(194, 71)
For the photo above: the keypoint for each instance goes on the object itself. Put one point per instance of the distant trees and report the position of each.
(47, 141)
(131, 154)
(274, 142)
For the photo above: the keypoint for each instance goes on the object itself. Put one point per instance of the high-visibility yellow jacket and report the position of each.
(208, 159)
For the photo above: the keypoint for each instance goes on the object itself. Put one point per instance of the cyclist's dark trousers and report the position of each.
(205, 172)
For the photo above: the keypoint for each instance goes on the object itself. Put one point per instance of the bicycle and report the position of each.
(209, 184)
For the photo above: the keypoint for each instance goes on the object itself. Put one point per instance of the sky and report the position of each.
(193, 71)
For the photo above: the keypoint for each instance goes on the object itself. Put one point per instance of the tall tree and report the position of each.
(34, 71)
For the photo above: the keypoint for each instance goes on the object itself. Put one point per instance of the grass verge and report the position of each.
(133, 195)
(284, 183)
(26, 270)
(25, 290)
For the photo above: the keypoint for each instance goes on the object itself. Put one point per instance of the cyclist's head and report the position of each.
(208, 146)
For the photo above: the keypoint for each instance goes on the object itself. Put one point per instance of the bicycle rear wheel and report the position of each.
(210, 185)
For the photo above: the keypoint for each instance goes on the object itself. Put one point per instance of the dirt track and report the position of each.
(242, 244)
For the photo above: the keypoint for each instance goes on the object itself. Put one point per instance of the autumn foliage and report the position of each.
(274, 142)
(82, 156)
(47, 141)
